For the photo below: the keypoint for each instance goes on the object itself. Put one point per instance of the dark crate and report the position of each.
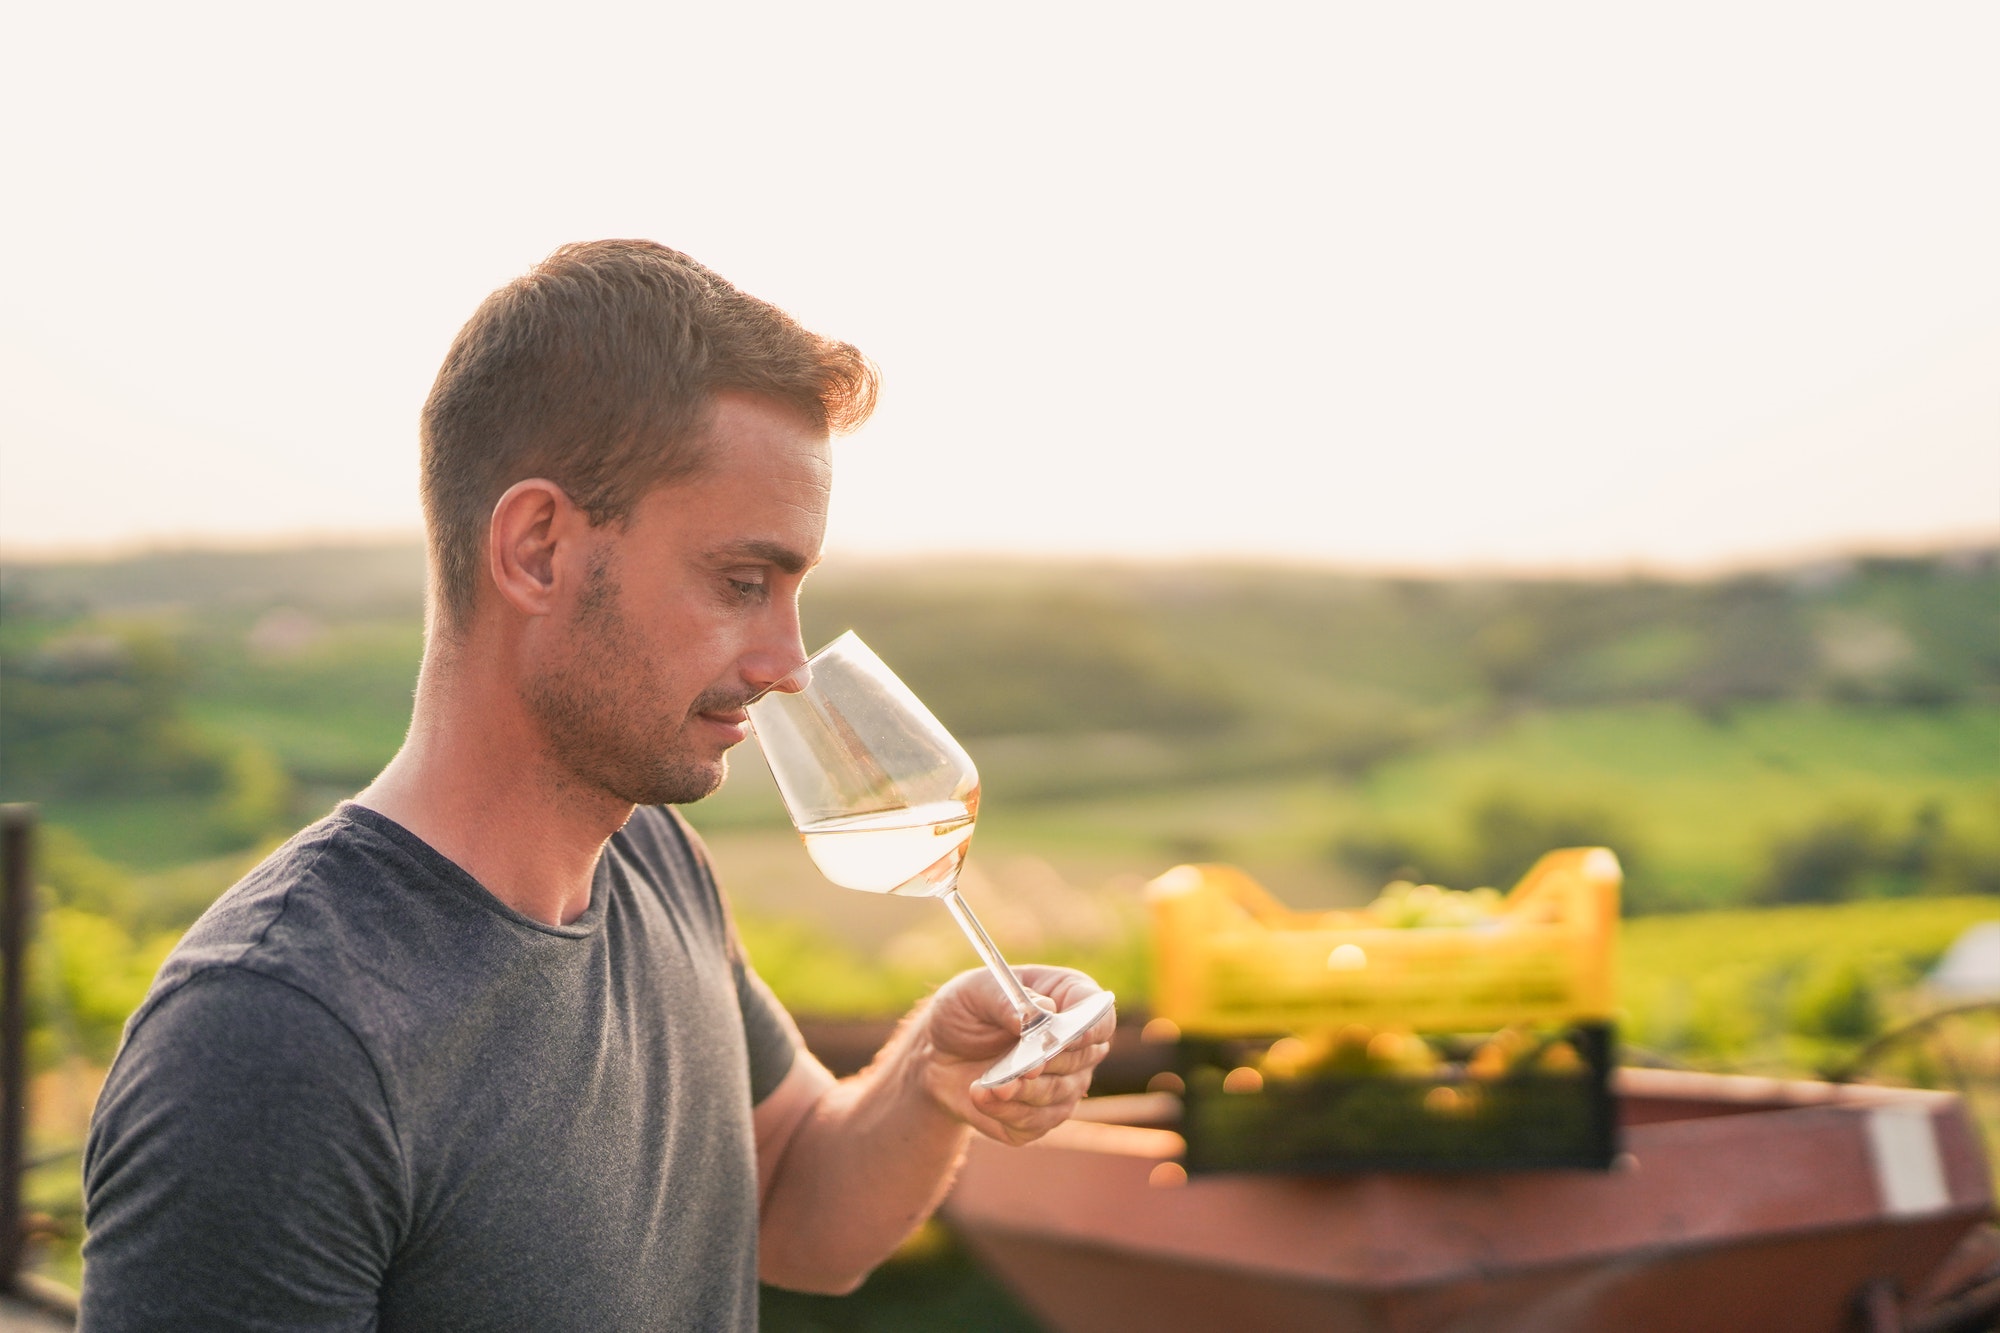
(1448, 1120)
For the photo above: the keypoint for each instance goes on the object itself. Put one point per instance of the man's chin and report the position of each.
(719, 775)
(686, 786)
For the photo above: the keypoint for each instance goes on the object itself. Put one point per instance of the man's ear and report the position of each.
(531, 524)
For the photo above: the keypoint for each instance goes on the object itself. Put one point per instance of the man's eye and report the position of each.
(748, 588)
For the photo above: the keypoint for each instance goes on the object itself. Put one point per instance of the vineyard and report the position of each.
(1800, 771)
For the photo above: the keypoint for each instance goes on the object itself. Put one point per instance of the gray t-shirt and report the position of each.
(363, 1093)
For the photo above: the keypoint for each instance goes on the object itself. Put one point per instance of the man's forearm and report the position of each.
(870, 1160)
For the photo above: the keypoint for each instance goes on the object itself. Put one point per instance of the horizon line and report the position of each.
(1982, 542)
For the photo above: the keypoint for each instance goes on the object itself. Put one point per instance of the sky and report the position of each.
(1416, 286)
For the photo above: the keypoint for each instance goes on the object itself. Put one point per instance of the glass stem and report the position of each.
(1031, 1014)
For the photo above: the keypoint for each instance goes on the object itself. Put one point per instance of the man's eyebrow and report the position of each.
(771, 553)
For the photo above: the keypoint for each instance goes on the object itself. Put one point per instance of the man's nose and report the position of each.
(780, 662)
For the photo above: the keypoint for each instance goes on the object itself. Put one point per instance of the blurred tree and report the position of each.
(90, 712)
(1378, 855)
(256, 798)
(1032, 660)
(93, 973)
(98, 713)
(1857, 852)
(73, 876)
(1509, 830)
(1757, 646)
(1969, 861)
(1497, 839)
(1511, 651)
(1838, 1002)
(92, 957)
(1826, 862)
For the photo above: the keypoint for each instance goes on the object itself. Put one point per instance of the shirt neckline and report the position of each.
(462, 881)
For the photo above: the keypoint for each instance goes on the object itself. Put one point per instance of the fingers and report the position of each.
(1069, 989)
(971, 1018)
(1082, 1057)
(1066, 986)
(971, 1024)
(1046, 1090)
(1024, 1110)
(1029, 1107)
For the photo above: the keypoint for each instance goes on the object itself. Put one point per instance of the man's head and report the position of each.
(626, 475)
(641, 642)
(600, 370)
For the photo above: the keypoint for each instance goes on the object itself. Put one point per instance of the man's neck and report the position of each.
(474, 781)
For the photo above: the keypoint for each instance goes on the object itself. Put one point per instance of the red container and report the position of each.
(1738, 1204)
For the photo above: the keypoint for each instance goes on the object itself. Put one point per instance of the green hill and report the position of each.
(1327, 727)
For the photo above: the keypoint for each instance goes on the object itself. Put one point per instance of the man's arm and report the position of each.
(847, 1169)
(242, 1170)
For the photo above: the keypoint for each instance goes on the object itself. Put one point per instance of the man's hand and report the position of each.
(848, 1168)
(969, 1024)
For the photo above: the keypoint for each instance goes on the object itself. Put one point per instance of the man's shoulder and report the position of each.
(344, 855)
(338, 891)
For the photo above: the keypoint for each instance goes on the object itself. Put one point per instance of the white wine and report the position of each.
(914, 851)
(845, 736)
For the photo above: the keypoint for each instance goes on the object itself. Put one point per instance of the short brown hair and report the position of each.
(597, 369)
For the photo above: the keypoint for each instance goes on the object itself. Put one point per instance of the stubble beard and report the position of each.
(603, 729)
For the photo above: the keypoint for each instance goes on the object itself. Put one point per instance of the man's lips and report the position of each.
(735, 720)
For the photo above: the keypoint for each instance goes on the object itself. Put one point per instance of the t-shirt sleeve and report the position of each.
(768, 1030)
(243, 1170)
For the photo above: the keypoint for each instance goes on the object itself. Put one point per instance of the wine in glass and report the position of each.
(885, 800)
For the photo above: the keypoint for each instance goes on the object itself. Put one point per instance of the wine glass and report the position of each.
(885, 800)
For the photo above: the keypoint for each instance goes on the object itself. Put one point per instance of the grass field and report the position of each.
(331, 703)
(1126, 718)
(1732, 989)
(1702, 800)
(141, 833)
(1705, 799)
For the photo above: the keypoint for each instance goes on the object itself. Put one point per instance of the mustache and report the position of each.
(720, 701)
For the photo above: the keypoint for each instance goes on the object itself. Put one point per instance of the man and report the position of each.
(479, 1049)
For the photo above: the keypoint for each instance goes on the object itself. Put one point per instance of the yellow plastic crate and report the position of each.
(1231, 960)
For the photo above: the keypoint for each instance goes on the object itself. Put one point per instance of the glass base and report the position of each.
(1040, 1044)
